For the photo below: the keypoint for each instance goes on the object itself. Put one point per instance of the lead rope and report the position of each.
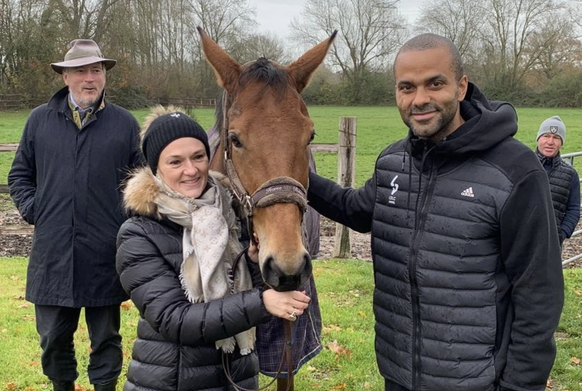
(287, 356)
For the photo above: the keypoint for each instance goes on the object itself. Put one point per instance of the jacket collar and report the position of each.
(60, 101)
(549, 161)
(141, 191)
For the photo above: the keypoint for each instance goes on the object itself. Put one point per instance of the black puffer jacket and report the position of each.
(468, 278)
(175, 347)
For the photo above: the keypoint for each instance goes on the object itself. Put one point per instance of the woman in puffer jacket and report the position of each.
(177, 259)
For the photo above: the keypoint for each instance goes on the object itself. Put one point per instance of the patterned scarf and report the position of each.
(210, 245)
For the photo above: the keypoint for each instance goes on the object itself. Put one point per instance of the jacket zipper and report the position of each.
(419, 228)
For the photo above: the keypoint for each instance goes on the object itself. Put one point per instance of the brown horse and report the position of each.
(265, 148)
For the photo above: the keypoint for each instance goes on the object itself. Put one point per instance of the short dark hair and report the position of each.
(434, 41)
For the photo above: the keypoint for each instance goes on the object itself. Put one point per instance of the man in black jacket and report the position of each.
(73, 156)
(467, 268)
(564, 181)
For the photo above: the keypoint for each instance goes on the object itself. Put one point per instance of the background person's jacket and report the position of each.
(468, 278)
(565, 189)
(67, 182)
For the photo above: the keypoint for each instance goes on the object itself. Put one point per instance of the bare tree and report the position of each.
(260, 45)
(369, 32)
(508, 47)
(83, 18)
(559, 48)
(224, 20)
(457, 20)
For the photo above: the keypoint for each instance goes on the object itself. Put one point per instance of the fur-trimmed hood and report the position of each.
(142, 190)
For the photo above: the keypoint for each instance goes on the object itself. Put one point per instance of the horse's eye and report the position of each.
(312, 137)
(234, 140)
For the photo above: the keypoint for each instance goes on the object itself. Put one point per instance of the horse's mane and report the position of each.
(266, 71)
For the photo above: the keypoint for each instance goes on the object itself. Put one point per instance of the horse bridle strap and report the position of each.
(274, 191)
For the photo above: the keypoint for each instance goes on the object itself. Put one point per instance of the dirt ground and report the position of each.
(16, 238)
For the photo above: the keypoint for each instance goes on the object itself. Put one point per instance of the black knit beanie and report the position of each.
(167, 128)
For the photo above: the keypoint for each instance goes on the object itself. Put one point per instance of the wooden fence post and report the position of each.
(346, 175)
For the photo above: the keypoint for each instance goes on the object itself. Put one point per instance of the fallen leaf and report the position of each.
(338, 349)
(333, 327)
(10, 386)
(340, 386)
(126, 305)
(362, 314)
(14, 278)
(575, 360)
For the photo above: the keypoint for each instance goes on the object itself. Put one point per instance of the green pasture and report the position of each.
(377, 127)
(347, 361)
(345, 286)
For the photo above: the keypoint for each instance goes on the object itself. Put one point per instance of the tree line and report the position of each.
(525, 51)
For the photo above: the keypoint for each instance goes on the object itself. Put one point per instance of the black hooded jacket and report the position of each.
(469, 286)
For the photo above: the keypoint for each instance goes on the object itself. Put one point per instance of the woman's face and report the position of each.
(183, 166)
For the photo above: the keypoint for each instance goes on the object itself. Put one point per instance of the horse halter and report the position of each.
(274, 191)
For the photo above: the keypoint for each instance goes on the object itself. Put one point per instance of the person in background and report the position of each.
(199, 294)
(564, 181)
(467, 271)
(74, 155)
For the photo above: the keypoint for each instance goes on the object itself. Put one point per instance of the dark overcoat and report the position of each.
(67, 182)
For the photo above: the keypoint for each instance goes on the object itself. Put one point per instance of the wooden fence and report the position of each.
(346, 150)
(11, 102)
(187, 103)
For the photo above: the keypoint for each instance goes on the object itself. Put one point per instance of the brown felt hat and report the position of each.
(82, 52)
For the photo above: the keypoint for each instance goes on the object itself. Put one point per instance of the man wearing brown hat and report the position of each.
(564, 182)
(74, 154)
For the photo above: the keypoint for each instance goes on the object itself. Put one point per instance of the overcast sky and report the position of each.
(274, 15)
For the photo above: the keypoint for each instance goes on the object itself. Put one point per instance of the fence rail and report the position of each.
(187, 103)
(9, 102)
(333, 148)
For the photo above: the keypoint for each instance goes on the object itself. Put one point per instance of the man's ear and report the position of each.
(463, 86)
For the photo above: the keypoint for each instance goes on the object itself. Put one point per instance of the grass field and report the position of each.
(377, 127)
(345, 287)
(346, 363)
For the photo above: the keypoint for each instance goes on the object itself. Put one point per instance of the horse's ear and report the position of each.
(226, 69)
(302, 69)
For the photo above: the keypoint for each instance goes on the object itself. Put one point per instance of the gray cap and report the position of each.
(553, 125)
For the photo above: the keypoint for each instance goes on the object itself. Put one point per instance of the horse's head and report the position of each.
(267, 137)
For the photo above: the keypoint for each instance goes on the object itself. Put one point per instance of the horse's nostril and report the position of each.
(271, 272)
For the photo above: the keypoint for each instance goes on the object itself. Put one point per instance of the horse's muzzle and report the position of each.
(282, 282)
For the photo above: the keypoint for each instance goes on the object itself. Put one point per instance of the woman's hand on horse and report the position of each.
(286, 305)
(253, 252)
